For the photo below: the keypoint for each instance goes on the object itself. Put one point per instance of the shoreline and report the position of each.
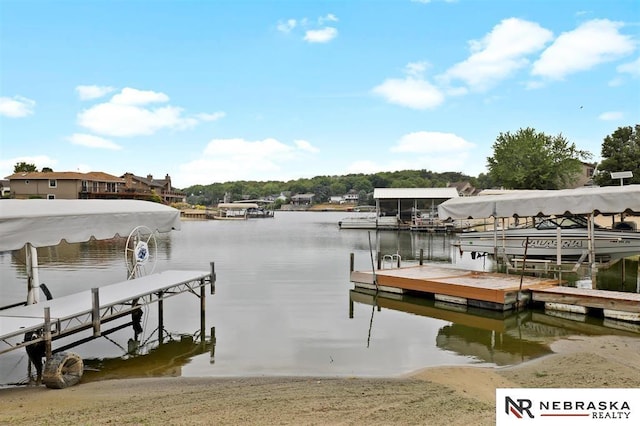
(426, 396)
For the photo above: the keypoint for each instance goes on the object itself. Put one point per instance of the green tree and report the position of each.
(529, 159)
(620, 153)
(24, 167)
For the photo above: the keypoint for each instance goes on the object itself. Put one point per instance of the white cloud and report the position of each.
(130, 96)
(93, 91)
(330, 17)
(410, 92)
(92, 141)
(16, 107)
(314, 31)
(286, 26)
(305, 146)
(323, 35)
(499, 53)
(40, 161)
(611, 116)
(211, 117)
(430, 142)
(127, 120)
(126, 114)
(226, 160)
(592, 43)
(632, 68)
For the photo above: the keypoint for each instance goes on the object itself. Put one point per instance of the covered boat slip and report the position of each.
(90, 309)
(41, 223)
(412, 209)
(587, 202)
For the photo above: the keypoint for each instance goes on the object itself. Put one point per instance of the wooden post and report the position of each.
(213, 277)
(202, 312)
(379, 260)
(47, 332)
(351, 262)
(160, 318)
(421, 257)
(95, 311)
(350, 307)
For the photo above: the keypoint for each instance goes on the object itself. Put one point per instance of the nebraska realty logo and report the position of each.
(567, 406)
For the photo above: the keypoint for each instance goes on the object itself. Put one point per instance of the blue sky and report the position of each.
(215, 91)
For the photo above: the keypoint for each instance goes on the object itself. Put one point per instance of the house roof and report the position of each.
(92, 176)
(149, 182)
(414, 193)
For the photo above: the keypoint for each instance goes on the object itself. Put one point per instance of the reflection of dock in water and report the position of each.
(502, 338)
(163, 360)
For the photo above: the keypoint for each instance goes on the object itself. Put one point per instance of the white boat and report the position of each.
(541, 241)
(574, 240)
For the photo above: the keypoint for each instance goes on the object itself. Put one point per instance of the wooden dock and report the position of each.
(612, 304)
(480, 289)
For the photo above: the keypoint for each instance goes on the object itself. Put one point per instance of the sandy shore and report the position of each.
(429, 396)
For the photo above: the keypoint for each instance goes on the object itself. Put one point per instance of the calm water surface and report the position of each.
(284, 306)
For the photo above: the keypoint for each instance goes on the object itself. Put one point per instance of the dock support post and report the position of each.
(379, 260)
(202, 312)
(47, 333)
(351, 262)
(213, 277)
(421, 257)
(160, 318)
(95, 311)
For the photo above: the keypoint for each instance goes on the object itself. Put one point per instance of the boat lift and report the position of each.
(41, 223)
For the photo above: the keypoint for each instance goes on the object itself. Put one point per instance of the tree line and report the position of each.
(525, 159)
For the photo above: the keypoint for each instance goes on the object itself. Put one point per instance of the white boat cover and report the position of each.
(46, 222)
(579, 201)
(414, 193)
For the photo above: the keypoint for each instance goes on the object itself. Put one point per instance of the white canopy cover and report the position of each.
(46, 222)
(579, 201)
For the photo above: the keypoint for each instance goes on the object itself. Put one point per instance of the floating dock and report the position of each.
(91, 309)
(498, 291)
(616, 305)
(495, 291)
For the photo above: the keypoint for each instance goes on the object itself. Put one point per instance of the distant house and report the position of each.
(585, 178)
(146, 186)
(92, 185)
(65, 185)
(336, 199)
(465, 189)
(5, 188)
(302, 199)
(352, 197)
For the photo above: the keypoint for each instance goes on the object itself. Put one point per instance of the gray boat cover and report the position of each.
(579, 201)
(46, 222)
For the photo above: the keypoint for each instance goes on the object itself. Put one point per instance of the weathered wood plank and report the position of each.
(601, 299)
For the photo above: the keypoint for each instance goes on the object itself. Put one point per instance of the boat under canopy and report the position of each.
(558, 241)
(579, 201)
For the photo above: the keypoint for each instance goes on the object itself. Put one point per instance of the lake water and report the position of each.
(284, 305)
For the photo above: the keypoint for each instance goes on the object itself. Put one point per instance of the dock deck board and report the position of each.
(482, 286)
(591, 298)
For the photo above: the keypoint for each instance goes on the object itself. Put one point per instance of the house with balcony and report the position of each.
(92, 185)
(65, 185)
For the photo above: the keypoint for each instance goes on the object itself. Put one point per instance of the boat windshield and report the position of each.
(564, 222)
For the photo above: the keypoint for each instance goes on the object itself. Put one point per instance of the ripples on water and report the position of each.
(283, 305)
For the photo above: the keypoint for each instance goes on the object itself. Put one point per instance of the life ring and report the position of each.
(62, 370)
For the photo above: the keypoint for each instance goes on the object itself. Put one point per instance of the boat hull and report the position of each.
(543, 244)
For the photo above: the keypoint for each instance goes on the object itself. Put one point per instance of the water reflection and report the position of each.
(150, 359)
(280, 303)
(500, 338)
